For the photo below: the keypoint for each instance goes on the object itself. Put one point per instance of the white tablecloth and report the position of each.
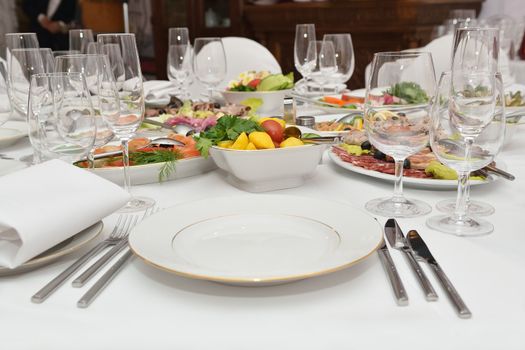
(517, 69)
(145, 308)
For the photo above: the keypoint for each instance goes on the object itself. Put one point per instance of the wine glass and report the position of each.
(48, 59)
(79, 39)
(19, 41)
(464, 154)
(60, 116)
(178, 36)
(344, 55)
(94, 48)
(116, 62)
(23, 64)
(179, 67)
(5, 105)
(325, 64)
(396, 119)
(65, 52)
(131, 96)
(209, 62)
(102, 88)
(304, 34)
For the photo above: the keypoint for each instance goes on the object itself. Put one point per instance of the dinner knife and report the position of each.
(421, 249)
(397, 240)
(179, 128)
(398, 288)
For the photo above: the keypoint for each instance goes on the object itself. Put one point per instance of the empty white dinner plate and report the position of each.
(10, 165)
(256, 240)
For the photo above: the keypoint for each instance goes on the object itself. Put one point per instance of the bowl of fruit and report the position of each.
(257, 156)
(262, 89)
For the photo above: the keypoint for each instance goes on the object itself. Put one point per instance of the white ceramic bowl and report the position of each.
(273, 101)
(268, 170)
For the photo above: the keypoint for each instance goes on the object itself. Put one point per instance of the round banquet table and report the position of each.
(146, 308)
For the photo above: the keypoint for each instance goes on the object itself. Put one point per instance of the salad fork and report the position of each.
(81, 280)
(121, 227)
(95, 290)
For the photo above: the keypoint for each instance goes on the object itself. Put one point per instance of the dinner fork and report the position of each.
(121, 227)
(81, 280)
(104, 280)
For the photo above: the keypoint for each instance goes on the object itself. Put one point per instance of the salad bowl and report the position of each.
(270, 169)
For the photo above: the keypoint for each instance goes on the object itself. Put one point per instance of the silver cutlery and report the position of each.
(81, 280)
(397, 240)
(116, 235)
(179, 129)
(422, 251)
(104, 280)
(398, 288)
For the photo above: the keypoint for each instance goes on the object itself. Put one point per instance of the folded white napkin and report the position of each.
(158, 92)
(45, 204)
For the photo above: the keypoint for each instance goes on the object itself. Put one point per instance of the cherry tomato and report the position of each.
(274, 129)
(254, 83)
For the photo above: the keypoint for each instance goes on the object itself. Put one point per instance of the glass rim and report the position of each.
(413, 53)
(81, 30)
(29, 49)
(21, 33)
(74, 55)
(116, 34)
(477, 29)
(56, 74)
(216, 38)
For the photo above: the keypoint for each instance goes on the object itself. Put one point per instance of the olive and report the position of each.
(401, 114)
(366, 145)
(379, 155)
(406, 164)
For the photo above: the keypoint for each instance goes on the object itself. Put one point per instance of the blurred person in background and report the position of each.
(8, 22)
(51, 21)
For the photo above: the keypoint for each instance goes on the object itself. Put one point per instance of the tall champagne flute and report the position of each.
(102, 88)
(179, 67)
(60, 116)
(79, 39)
(463, 155)
(116, 62)
(209, 63)
(304, 34)
(48, 59)
(23, 64)
(396, 119)
(344, 55)
(19, 41)
(131, 95)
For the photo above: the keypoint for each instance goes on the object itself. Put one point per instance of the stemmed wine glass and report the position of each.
(209, 63)
(102, 88)
(5, 105)
(325, 65)
(48, 59)
(19, 41)
(464, 154)
(116, 62)
(344, 55)
(396, 119)
(60, 116)
(79, 39)
(131, 95)
(304, 34)
(22, 64)
(179, 59)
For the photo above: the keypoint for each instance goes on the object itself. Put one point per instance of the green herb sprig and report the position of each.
(166, 156)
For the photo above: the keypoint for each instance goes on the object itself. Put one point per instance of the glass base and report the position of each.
(469, 227)
(475, 208)
(137, 204)
(408, 209)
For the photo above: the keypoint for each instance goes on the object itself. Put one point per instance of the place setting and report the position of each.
(229, 171)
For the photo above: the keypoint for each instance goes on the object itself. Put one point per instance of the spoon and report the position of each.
(293, 131)
(159, 141)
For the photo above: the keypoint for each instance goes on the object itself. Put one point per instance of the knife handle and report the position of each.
(430, 293)
(459, 304)
(498, 171)
(395, 281)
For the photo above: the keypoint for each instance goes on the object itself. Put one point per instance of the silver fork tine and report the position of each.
(53, 285)
(81, 280)
(103, 281)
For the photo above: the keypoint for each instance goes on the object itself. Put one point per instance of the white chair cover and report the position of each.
(242, 54)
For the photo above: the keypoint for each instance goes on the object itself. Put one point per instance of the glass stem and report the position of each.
(125, 163)
(210, 94)
(460, 214)
(398, 184)
(91, 158)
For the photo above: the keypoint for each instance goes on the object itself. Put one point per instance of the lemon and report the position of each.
(225, 144)
(291, 142)
(261, 140)
(250, 147)
(241, 142)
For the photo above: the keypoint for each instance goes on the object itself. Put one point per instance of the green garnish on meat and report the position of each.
(410, 92)
(228, 127)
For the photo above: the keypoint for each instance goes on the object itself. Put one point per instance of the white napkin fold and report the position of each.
(158, 91)
(45, 204)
